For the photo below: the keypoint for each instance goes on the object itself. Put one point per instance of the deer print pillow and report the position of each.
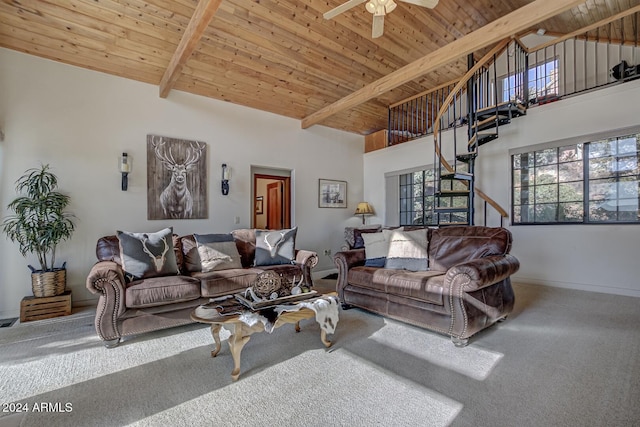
(147, 254)
(275, 247)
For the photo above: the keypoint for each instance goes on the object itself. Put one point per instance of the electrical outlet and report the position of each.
(327, 252)
(236, 220)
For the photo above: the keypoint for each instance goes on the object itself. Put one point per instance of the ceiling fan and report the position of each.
(378, 8)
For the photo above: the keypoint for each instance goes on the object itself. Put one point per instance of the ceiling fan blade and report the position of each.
(378, 26)
(342, 8)
(424, 3)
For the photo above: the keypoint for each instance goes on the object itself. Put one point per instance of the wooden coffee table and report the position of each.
(241, 332)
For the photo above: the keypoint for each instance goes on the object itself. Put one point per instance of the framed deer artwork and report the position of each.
(176, 178)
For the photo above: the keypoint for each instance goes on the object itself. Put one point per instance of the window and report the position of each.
(418, 200)
(549, 185)
(542, 81)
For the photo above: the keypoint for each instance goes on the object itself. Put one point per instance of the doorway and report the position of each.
(272, 199)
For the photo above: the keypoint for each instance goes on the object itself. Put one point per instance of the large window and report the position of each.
(593, 182)
(542, 82)
(418, 200)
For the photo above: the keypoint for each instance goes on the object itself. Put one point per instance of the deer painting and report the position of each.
(176, 200)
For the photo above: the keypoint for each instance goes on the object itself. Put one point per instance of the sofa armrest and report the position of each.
(344, 261)
(107, 279)
(307, 260)
(479, 273)
(473, 301)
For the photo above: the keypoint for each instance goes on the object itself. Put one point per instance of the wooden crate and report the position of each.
(32, 308)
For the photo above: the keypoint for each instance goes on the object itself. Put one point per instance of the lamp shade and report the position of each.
(363, 209)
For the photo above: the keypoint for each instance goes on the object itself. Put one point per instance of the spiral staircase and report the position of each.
(456, 190)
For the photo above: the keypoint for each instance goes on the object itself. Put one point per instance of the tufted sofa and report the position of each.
(140, 306)
(465, 289)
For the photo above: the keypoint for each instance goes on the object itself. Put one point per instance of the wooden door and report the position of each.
(275, 218)
(276, 202)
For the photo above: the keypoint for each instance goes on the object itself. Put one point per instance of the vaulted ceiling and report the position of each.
(279, 56)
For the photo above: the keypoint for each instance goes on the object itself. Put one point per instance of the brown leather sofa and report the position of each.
(466, 289)
(126, 309)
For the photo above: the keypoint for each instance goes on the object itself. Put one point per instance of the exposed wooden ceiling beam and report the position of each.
(503, 27)
(199, 22)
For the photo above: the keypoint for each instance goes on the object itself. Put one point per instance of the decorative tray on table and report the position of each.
(270, 290)
(258, 305)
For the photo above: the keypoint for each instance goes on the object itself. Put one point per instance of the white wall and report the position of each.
(599, 258)
(79, 121)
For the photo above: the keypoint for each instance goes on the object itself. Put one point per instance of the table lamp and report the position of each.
(363, 209)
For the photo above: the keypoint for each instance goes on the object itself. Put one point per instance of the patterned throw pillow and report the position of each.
(275, 247)
(376, 246)
(217, 252)
(408, 250)
(147, 254)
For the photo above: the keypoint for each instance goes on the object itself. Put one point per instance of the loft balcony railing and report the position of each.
(603, 54)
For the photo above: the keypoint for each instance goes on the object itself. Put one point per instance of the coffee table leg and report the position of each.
(323, 335)
(323, 338)
(215, 332)
(236, 342)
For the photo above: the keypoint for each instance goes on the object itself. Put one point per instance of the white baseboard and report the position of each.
(578, 286)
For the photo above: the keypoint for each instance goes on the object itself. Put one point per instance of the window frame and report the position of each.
(587, 181)
(518, 80)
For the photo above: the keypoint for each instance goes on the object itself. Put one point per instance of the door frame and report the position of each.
(286, 196)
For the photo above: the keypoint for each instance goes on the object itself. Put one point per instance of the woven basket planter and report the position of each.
(49, 283)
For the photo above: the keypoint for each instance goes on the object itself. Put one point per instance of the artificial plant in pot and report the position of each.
(39, 222)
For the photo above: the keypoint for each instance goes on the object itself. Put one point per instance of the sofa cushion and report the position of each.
(147, 254)
(275, 247)
(155, 291)
(421, 285)
(408, 250)
(376, 247)
(108, 249)
(453, 245)
(217, 252)
(246, 244)
(191, 258)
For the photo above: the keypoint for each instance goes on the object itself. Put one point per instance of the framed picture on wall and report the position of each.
(259, 205)
(332, 193)
(176, 178)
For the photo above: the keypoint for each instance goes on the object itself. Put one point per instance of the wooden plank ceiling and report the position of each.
(279, 56)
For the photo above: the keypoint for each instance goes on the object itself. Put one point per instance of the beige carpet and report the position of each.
(564, 358)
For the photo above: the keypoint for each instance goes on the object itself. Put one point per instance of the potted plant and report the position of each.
(39, 222)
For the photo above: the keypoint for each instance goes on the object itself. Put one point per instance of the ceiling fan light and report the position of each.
(390, 6)
(371, 6)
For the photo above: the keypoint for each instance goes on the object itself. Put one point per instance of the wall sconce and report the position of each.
(225, 179)
(125, 168)
(363, 209)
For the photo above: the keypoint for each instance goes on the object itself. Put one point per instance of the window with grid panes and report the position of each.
(549, 186)
(417, 198)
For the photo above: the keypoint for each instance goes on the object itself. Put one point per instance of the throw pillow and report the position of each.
(376, 246)
(358, 242)
(408, 251)
(217, 252)
(275, 247)
(147, 254)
